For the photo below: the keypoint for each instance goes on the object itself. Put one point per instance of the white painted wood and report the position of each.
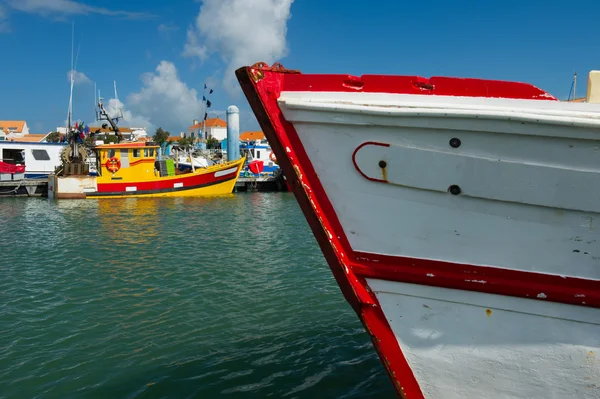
(463, 344)
(427, 224)
(483, 177)
(72, 185)
(225, 172)
(131, 188)
(177, 185)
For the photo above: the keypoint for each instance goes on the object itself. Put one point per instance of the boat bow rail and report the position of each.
(514, 270)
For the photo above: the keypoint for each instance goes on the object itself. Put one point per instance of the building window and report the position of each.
(40, 155)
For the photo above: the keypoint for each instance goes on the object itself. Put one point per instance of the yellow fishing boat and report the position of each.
(133, 170)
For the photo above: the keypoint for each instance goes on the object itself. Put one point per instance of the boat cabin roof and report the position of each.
(141, 144)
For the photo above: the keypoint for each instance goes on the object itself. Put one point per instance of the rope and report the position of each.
(14, 190)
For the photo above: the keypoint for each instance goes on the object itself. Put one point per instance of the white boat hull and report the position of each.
(462, 344)
(463, 230)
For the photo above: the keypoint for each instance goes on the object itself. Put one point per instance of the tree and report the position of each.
(212, 142)
(186, 142)
(161, 136)
(53, 137)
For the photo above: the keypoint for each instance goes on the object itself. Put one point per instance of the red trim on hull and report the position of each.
(490, 280)
(322, 219)
(437, 85)
(263, 87)
(188, 181)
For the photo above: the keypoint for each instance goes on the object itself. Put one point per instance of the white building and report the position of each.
(14, 129)
(213, 127)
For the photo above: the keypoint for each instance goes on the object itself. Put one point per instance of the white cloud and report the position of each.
(192, 47)
(78, 77)
(116, 108)
(67, 7)
(167, 28)
(164, 100)
(4, 27)
(243, 32)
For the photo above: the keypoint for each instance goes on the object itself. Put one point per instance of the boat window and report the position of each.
(258, 154)
(112, 153)
(149, 152)
(40, 155)
(136, 153)
(124, 158)
(13, 155)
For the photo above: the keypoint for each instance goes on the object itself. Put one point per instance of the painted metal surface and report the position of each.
(233, 133)
(542, 248)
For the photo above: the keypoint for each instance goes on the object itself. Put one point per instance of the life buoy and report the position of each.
(272, 157)
(113, 164)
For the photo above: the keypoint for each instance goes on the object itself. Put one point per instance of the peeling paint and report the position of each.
(541, 295)
(430, 275)
(476, 281)
(579, 295)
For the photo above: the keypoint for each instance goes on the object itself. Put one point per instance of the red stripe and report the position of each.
(325, 225)
(188, 181)
(492, 280)
(141, 161)
(437, 85)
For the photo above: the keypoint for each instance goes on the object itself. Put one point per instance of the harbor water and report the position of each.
(174, 298)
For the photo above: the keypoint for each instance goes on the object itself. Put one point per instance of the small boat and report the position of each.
(261, 159)
(460, 218)
(39, 158)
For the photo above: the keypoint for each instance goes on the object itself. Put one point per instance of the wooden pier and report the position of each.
(260, 183)
(24, 188)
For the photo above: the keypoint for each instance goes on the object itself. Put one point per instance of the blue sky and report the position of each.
(161, 53)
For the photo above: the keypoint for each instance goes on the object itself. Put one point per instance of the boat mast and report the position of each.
(574, 86)
(70, 110)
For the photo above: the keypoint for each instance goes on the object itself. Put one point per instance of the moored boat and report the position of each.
(39, 158)
(133, 170)
(459, 218)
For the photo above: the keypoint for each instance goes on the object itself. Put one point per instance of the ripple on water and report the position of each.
(183, 297)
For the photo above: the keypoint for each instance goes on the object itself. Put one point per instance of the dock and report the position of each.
(260, 184)
(24, 188)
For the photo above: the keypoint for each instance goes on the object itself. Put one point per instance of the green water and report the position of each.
(174, 298)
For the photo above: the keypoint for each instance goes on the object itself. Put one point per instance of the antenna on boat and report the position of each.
(118, 102)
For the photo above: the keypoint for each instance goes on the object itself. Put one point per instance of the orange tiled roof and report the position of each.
(210, 122)
(251, 136)
(5, 125)
(29, 138)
